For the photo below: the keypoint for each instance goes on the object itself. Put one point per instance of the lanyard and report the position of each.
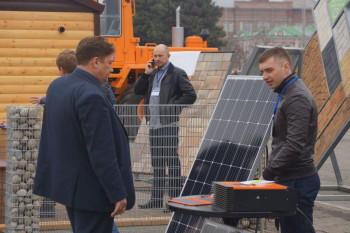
(279, 97)
(161, 76)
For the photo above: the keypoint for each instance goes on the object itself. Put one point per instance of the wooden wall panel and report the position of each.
(27, 80)
(24, 89)
(40, 71)
(39, 43)
(43, 34)
(26, 61)
(45, 25)
(16, 98)
(46, 16)
(30, 43)
(30, 52)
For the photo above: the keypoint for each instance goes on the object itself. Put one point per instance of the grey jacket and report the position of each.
(294, 134)
(175, 89)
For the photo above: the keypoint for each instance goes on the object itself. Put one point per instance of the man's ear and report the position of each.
(286, 67)
(63, 71)
(94, 61)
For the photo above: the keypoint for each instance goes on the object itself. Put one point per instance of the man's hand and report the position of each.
(120, 208)
(35, 99)
(149, 67)
(261, 178)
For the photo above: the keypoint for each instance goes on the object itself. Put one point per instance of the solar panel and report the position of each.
(233, 144)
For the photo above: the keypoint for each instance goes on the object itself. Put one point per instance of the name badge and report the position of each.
(155, 92)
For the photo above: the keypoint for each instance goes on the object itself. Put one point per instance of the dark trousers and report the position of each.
(164, 144)
(307, 189)
(84, 221)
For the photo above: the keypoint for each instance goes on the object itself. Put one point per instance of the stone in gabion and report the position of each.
(37, 134)
(15, 144)
(35, 220)
(28, 156)
(13, 225)
(28, 134)
(16, 179)
(28, 229)
(35, 226)
(18, 155)
(35, 155)
(30, 167)
(26, 176)
(19, 171)
(17, 134)
(32, 143)
(22, 164)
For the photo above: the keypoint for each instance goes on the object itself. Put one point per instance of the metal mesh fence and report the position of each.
(161, 160)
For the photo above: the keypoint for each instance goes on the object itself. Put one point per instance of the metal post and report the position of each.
(336, 168)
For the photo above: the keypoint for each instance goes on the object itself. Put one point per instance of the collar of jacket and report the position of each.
(80, 73)
(163, 67)
(284, 82)
(170, 69)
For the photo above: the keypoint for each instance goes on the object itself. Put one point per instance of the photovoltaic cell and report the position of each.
(233, 143)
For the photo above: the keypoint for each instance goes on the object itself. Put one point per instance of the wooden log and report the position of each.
(3, 116)
(40, 71)
(11, 99)
(23, 89)
(46, 16)
(25, 43)
(44, 34)
(27, 62)
(34, 52)
(47, 25)
(27, 80)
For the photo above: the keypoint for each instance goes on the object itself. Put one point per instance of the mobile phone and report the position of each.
(152, 63)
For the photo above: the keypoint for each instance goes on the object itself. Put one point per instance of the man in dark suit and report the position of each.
(84, 155)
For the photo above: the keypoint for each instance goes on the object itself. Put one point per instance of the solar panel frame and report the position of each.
(219, 139)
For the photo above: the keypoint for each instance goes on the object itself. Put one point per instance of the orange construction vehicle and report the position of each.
(116, 25)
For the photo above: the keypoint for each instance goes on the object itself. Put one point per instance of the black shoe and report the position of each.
(165, 211)
(152, 204)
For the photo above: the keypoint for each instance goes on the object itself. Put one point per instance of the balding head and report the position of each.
(161, 55)
(162, 47)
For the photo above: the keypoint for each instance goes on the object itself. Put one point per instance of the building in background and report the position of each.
(265, 22)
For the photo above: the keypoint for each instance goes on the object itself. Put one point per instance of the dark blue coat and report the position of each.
(84, 155)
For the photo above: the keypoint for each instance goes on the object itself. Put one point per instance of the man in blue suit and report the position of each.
(84, 155)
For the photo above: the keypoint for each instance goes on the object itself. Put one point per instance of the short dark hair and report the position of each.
(67, 60)
(278, 53)
(93, 46)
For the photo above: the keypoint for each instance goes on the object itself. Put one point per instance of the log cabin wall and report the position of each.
(30, 41)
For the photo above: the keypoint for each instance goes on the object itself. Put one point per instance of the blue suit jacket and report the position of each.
(84, 154)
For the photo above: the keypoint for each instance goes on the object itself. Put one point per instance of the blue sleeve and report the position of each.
(43, 100)
(110, 91)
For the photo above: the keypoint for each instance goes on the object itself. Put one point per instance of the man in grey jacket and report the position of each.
(294, 134)
(165, 88)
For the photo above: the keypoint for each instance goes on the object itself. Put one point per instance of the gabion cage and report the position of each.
(23, 136)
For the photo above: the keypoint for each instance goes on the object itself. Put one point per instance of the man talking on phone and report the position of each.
(165, 88)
